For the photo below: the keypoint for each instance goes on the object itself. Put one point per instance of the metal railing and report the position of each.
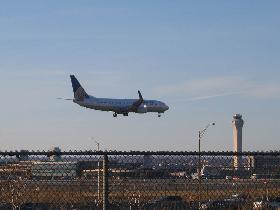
(139, 180)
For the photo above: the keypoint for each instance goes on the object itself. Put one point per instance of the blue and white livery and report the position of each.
(117, 106)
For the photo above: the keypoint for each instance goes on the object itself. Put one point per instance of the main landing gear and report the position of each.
(159, 114)
(124, 114)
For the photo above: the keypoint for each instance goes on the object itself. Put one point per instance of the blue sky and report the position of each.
(206, 59)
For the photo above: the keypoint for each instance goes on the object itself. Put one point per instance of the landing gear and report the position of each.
(115, 114)
(125, 114)
(159, 115)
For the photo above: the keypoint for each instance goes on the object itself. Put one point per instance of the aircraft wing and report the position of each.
(134, 106)
(137, 103)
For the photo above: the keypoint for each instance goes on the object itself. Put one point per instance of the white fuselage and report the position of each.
(121, 105)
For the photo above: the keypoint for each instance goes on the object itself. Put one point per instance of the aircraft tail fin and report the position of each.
(79, 92)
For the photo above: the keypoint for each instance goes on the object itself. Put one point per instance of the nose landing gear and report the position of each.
(159, 115)
(115, 114)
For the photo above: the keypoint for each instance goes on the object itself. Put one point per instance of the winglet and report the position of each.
(140, 95)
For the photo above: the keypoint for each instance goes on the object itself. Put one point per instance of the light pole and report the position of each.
(98, 172)
(98, 145)
(96, 142)
(200, 135)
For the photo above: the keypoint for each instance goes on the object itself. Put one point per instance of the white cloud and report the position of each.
(266, 91)
(203, 87)
(212, 87)
(213, 96)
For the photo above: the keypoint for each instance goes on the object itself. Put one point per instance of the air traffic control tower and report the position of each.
(237, 123)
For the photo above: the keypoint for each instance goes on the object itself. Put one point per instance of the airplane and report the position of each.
(117, 106)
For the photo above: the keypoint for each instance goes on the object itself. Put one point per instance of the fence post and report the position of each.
(105, 183)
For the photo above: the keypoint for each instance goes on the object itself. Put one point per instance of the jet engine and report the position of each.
(142, 109)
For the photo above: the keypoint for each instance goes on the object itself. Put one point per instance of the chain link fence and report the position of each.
(139, 180)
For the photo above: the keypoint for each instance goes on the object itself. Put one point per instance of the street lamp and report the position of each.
(97, 143)
(98, 171)
(200, 135)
